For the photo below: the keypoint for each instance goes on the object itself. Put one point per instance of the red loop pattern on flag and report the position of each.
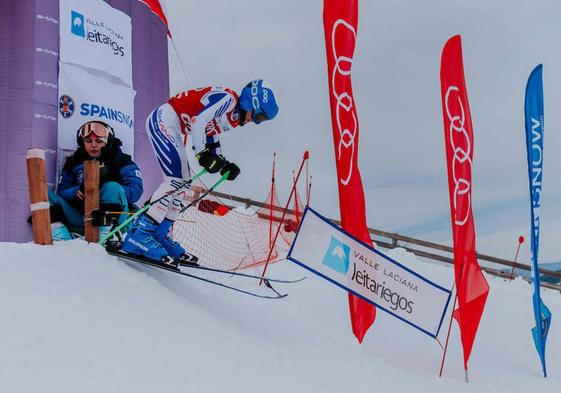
(461, 147)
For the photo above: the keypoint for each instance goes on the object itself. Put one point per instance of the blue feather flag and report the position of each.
(533, 108)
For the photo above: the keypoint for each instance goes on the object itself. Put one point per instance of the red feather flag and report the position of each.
(471, 286)
(156, 8)
(340, 19)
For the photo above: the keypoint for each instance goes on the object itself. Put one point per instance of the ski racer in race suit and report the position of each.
(198, 116)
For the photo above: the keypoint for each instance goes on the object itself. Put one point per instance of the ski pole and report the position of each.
(147, 206)
(204, 194)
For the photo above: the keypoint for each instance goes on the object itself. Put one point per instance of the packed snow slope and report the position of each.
(76, 320)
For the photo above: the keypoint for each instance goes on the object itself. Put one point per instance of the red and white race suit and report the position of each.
(198, 116)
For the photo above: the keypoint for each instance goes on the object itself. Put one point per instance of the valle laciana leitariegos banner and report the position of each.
(358, 268)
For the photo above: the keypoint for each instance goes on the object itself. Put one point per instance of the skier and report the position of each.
(202, 114)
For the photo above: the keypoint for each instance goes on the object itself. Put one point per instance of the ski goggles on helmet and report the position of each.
(100, 130)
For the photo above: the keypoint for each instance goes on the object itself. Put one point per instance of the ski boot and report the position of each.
(140, 241)
(174, 249)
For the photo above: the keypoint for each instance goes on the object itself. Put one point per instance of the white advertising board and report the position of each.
(95, 35)
(85, 95)
(327, 250)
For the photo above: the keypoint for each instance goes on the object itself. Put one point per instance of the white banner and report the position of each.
(86, 95)
(95, 35)
(333, 254)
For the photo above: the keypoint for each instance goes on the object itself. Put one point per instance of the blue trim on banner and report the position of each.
(326, 220)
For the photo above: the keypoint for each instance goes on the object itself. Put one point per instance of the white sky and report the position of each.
(397, 90)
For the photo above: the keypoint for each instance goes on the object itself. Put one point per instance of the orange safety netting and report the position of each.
(226, 237)
(232, 237)
(273, 213)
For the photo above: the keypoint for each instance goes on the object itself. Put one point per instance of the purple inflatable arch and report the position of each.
(29, 94)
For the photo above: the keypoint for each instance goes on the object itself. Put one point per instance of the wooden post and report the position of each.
(38, 196)
(91, 198)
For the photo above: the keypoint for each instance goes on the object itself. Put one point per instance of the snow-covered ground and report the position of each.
(76, 320)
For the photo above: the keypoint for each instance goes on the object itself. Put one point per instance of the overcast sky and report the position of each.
(397, 90)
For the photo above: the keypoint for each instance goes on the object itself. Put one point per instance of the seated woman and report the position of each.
(120, 178)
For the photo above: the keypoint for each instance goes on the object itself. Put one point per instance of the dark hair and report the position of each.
(108, 154)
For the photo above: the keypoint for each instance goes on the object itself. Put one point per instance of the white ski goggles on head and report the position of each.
(101, 130)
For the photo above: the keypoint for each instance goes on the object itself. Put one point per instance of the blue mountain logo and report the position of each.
(77, 24)
(337, 256)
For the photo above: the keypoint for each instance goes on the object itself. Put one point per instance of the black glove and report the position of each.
(210, 161)
(232, 168)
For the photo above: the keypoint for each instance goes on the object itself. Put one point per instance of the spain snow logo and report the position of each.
(337, 256)
(66, 106)
(77, 24)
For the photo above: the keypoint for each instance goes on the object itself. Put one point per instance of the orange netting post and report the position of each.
(309, 192)
(297, 205)
(308, 186)
(304, 159)
(272, 203)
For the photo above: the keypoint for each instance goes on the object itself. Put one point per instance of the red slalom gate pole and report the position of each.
(520, 241)
(304, 159)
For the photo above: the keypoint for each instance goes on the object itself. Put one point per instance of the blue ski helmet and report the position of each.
(257, 96)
